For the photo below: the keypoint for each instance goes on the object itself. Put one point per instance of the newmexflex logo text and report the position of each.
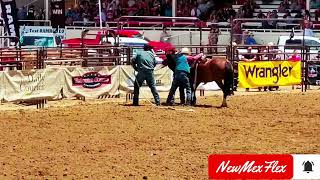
(251, 167)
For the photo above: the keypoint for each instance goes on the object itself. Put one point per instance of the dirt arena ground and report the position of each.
(103, 140)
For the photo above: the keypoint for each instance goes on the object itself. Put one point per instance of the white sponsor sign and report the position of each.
(42, 29)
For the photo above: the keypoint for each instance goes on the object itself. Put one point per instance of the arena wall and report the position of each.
(193, 37)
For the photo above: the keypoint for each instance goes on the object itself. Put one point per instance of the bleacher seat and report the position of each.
(251, 24)
(280, 15)
(273, 2)
(236, 6)
(269, 6)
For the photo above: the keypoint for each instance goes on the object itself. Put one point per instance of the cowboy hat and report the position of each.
(185, 51)
(270, 44)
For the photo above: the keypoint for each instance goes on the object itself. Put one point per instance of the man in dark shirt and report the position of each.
(249, 56)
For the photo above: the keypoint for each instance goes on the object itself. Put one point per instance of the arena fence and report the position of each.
(310, 58)
(112, 56)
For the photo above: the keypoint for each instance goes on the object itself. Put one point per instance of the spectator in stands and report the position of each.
(180, 10)
(213, 18)
(302, 4)
(317, 15)
(131, 3)
(213, 39)
(295, 56)
(270, 23)
(265, 23)
(167, 8)
(110, 15)
(141, 9)
(31, 15)
(308, 28)
(274, 15)
(287, 14)
(240, 1)
(282, 8)
(237, 32)
(272, 53)
(158, 7)
(86, 19)
(295, 6)
(286, 4)
(41, 14)
(307, 15)
(248, 57)
(117, 9)
(250, 40)
(240, 13)
(247, 11)
(260, 15)
(165, 36)
(185, 10)
(144, 63)
(195, 12)
(22, 14)
(298, 15)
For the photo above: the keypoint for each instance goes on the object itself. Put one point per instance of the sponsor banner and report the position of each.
(57, 13)
(91, 82)
(9, 15)
(31, 84)
(269, 73)
(2, 85)
(245, 166)
(163, 77)
(314, 74)
(60, 32)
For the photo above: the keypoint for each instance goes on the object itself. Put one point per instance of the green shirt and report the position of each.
(144, 60)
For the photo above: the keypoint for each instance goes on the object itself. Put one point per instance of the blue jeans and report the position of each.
(140, 78)
(182, 94)
(180, 80)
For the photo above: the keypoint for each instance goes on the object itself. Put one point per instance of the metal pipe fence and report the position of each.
(106, 55)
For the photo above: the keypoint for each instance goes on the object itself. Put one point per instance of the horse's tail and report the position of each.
(228, 79)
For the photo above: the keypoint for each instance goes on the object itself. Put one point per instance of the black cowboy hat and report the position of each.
(147, 47)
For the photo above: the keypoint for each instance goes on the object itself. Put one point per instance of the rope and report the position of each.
(153, 105)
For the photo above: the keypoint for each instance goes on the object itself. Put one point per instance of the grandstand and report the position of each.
(271, 7)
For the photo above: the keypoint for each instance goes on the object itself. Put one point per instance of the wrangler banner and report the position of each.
(269, 73)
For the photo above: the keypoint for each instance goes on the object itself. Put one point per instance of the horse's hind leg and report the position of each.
(193, 93)
(221, 86)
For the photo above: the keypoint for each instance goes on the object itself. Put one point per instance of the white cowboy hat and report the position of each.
(234, 43)
(270, 44)
(185, 51)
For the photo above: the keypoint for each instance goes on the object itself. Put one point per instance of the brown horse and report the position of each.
(217, 69)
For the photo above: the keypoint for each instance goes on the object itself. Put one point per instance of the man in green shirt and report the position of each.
(144, 63)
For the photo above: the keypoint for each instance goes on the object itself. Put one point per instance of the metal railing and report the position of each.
(104, 55)
(35, 22)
